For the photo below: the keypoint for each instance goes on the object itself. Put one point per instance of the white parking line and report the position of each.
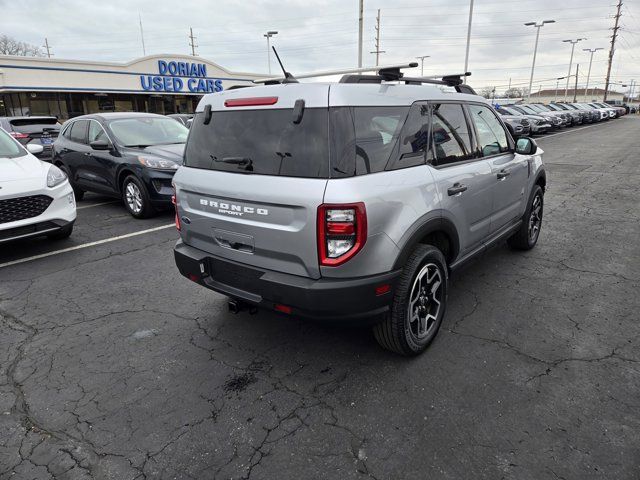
(570, 131)
(85, 245)
(96, 204)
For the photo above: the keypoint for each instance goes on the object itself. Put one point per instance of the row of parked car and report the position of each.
(525, 119)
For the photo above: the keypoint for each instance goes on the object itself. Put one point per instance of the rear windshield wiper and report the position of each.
(241, 162)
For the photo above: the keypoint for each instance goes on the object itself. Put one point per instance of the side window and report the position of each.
(79, 131)
(451, 140)
(492, 138)
(414, 138)
(363, 138)
(67, 131)
(96, 132)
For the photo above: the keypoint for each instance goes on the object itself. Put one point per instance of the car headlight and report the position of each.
(534, 121)
(55, 176)
(159, 163)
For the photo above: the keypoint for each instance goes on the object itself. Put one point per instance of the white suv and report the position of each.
(35, 197)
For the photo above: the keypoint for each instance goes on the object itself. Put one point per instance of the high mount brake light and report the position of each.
(250, 102)
(342, 232)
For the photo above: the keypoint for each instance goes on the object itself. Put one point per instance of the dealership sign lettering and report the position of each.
(174, 76)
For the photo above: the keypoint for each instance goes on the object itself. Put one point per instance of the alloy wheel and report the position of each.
(133, 197)
(425, 300)
(535, 219)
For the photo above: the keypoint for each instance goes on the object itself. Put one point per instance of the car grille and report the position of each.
(14, 209)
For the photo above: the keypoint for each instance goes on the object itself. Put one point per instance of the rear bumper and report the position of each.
(324, 299)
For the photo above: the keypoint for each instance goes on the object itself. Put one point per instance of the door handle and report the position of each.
(502, 174)
(457, 189)
(88, 154)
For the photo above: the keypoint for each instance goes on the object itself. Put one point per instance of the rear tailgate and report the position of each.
(267, 222)
(254, 177)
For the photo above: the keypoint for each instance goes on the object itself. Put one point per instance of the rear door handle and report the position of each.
(457, 189)
(502, 174)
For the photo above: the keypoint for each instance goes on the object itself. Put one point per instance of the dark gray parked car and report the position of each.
(33, 130)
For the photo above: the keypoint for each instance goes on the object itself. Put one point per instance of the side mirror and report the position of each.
(526, 146)
(34, 148)
(100, 145)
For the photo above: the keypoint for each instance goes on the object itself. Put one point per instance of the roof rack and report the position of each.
(389, 73)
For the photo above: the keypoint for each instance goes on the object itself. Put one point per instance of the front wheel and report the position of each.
(527, 235)
(418, 305)
(136, 198)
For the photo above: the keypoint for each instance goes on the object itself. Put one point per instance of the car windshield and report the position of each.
(147, 131)
(9, 148)
(511, 111)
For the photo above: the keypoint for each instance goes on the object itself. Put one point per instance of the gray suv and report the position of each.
(352, 200)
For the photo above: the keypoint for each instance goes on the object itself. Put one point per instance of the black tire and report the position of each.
(78, 193)
(397, 332)
(145, 209)
(61, 234)
(526, 238)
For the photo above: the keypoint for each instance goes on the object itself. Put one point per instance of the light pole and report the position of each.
(466, 55)
(573, 45)
(557, 85)
(592, 50)
(268, 35)
(535, 50)
(422, 63)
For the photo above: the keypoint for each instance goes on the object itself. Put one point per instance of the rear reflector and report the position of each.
(282, 308)
(193, 277)
(250, 102)
(382, 289)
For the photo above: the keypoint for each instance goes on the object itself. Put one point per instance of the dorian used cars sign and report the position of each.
(175, 76)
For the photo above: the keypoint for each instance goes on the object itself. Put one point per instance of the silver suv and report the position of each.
(351, 200)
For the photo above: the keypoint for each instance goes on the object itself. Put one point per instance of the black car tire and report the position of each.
(523, 238)
(146, 210)
(396, 332)
(78, 193)
(61, 234)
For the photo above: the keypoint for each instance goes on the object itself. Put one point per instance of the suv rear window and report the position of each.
(264, 142)
(33, 125)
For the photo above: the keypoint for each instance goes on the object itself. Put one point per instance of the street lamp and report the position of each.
(592, 50)
(557, 85)
(422, 63)
(573, 45)
(268, 35)
(535, 50)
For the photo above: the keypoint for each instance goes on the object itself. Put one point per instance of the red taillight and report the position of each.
(250, 102)
(17, 135)
(282, 308)
(342, 232)
(175, 205)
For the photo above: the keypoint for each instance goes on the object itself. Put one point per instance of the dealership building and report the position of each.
(67, 88)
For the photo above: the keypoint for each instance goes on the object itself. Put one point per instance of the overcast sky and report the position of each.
(315, 35)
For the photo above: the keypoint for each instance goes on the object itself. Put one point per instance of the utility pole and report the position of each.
(360, 25)
(422, 63)
(47, 47)
(144, 50)
(377, 51)
(612, 49)
(573, 46)
(592, 50)
(192, 42)
(466, 55)
(575, 89)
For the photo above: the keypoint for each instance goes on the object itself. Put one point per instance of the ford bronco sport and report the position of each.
(351, 200)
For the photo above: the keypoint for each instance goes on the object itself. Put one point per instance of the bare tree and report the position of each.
(11, 46)
(516, 92)
(487, 92)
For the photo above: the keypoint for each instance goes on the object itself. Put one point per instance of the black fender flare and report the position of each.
(541, 175)
(419, 231)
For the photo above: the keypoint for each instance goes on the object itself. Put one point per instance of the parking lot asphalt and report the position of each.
(114, 366)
